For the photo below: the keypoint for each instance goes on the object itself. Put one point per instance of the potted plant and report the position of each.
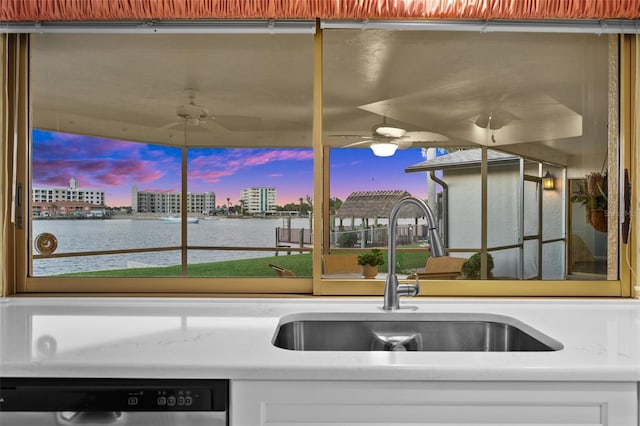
(471, 268)
(370, 261)
(593, 196)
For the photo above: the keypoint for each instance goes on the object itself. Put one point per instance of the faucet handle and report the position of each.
(409, 289)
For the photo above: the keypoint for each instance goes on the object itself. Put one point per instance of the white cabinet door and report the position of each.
(377, 403)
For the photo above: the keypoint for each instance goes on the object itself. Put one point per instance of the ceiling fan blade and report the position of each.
(352, 145)
(483, 120)
(352, 136)
(420, 136)
(172, 125)
(201, 126)
(501, 118)
(402, 143)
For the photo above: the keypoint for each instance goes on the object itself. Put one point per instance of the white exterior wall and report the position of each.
(554, 226)
(503, 193)
(464, 208)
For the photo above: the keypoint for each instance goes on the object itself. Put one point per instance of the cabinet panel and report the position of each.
(279, 403)
(462, 413)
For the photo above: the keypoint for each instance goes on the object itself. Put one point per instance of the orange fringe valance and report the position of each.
(105, 10)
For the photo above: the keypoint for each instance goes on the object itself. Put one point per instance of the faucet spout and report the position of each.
(392, 290)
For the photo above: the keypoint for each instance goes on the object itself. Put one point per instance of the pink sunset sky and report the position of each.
(116, 166)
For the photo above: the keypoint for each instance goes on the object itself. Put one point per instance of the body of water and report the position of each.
(118, 234)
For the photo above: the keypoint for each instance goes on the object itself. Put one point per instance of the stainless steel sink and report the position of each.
(409, 332)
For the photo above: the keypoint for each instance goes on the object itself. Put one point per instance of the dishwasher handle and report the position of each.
(68, 418)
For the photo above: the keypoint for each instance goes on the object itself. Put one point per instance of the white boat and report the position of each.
(174, 219)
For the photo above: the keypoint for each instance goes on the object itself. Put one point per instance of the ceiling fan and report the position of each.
(494, 119)
(385, 139)
(190, 113)
(496, 111)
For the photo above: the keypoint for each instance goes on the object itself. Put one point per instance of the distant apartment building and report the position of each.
(70, 194)
(259, 200)
(170, 202)
(76, 209)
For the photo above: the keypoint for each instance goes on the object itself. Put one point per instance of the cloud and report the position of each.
(94, 172)
(211, 176)
(212, 165)
(98, 162)
(278, 155)
(54, 145)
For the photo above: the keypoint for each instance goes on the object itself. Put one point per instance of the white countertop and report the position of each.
(231, 338)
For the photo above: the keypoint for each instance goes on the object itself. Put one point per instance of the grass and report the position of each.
(300, 264)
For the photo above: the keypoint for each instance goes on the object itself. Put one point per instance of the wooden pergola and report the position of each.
(367, 205)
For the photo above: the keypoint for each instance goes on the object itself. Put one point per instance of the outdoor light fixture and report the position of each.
(384, 149)
(548, 181)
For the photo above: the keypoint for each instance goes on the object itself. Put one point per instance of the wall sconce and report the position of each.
(548, 181)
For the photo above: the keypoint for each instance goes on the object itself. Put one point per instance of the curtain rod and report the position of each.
(257, 26)
(604, 26)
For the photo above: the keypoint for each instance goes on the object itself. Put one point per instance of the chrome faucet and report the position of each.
(393, 290)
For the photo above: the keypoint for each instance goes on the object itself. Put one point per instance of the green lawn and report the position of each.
(300, 264)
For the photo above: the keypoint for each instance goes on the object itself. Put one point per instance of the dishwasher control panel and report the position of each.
(113, 394)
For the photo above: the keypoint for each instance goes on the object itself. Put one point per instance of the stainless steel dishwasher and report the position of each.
(126, 402)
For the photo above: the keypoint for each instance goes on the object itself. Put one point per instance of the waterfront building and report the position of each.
(72, 194)
(259, 200)
(75, 209)
(170, 202)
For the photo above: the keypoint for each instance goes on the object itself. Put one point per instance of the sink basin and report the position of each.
(409, 332)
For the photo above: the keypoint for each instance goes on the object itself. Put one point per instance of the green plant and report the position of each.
(593, 193)
(347, 239)
(472, 268)
(373, 258)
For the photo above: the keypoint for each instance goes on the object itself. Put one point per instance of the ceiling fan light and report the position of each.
(390, 131)
(384, 149)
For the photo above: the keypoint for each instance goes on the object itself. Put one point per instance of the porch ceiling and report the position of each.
(258, 89)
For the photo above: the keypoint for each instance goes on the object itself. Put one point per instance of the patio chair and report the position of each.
(283, 272)
(441, 268)
(340, 264)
